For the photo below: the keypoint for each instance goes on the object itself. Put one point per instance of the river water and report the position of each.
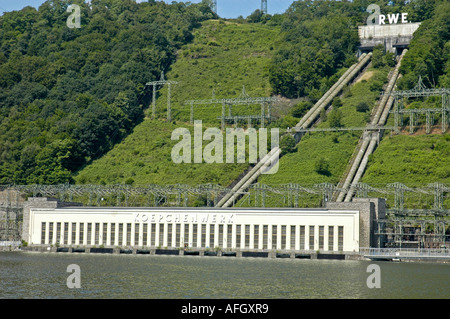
(44, 275)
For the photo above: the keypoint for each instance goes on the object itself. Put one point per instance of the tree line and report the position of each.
(67, 95)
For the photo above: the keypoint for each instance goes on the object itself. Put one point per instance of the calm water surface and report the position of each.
(44, 275)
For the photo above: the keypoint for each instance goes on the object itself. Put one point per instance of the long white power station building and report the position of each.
(340, 227)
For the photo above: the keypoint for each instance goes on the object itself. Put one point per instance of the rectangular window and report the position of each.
(211, 235)
(169, 235)
(136, 233)
(341, 238)
(194, 235)
(247, 236)
(161, 234)
(58, 233)
(292, 237)
(221, 236)
(145, 234)
(238, 236)
(265, 236)
(89, 233)
(81, 233)
(330, 238)
(283, 237)
(274, 236)
(153, 234)
(97, 233)
(302, 237)
(186, 234)
(178, 242)
(66, 233)
(203, 243)
(255, 236)
(311, 237)
(128, 234)
(120, 234)
(113, 233)
(321, 236)
(50, 233)
(105, 233)
(229, 235)
(74, 233)
(43, 224)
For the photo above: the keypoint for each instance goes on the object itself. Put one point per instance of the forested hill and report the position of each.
(67, 95)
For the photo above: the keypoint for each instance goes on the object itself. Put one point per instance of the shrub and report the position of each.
(362, 107)
(376, 86)
(335, 117)
(322, 166)
(337, 103)
(378, 56)
(287, 144)
(300, 109)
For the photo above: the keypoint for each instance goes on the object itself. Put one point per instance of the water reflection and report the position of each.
(43, 275)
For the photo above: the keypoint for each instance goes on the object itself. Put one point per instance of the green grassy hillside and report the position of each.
(222, 56)
(412, 160)
(222, 59)
(144, 157)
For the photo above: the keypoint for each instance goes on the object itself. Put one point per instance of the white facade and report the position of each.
(387, 30)
(244, 229)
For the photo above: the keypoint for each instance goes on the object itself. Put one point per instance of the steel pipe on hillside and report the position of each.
(387, 94)
(385, 114)
(365, 149)
(335, 92)
(247, 176)
(327, 94)
(362, 167)
(384, 100)
(353, 169)
(275, 156)
(362, 150)
(389, 103)
(380, 121)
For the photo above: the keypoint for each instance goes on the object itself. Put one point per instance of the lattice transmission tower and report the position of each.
(162, 81)
(264, 6)
(214, 6)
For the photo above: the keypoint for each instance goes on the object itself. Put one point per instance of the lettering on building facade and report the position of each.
(184, 218)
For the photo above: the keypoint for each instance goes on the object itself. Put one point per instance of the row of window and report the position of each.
(187, 235)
